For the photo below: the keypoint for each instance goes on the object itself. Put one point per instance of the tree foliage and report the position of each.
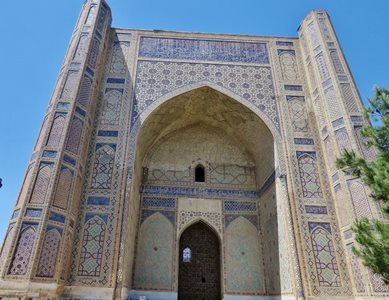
(372, 236)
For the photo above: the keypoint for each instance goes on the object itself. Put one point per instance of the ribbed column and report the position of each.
(339, 116)
(39, 241)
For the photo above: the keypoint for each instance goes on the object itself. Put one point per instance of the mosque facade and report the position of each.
(188, 166)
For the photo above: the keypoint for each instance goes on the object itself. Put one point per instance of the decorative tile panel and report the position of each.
(56, 130)
(309, 175)
(92, 247)
(254, 84)
(48, 259)
(23, 250)
(212, 50)
(74, 137)
(64, 186)
(324, 252)
(39, 192)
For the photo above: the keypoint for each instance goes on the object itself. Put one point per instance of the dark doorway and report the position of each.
(199, 265)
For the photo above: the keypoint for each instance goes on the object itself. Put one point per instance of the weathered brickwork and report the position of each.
(180, 165)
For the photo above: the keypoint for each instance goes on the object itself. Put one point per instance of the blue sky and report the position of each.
(34, 37)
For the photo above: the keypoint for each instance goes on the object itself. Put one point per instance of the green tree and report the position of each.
(372, 236)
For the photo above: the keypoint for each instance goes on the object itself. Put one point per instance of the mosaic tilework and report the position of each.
(309, 175)
(298, 113)
(94, 53)
(38, 195)
(368, 153)
(378, 284)
(343, 139)
(349, 98)
(56, 130)
(359, 198)
(332, 103)
(75, 133)
(154, 257)
(231, 174)
(197, 192)
(336, 62)
(63, 188)
(325, 30)
(316, 210)
(356, 270)
(239, 206)
(288, 65)
(111, 109)
(229, 218)
(191, 49)
(48, 259)
(254, 84)
(33, 212)
(323, 69)
(337, 122)
(118, 61)
(313, 34)
(80, 52)
(296, 88)
(243, 258)
(158, 202)
(92, 247)
(185, 217)
(23, 250)
(103, 166)
(85, 89)
(68, 92)
(6, 247)
(323, 249)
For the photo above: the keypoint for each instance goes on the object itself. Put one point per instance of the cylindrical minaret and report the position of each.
(36, 253)
(339, 115)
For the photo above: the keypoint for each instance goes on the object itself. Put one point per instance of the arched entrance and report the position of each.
(203, 155)
(199, 264)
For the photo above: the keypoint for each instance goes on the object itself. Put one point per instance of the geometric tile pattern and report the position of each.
(103, 167)
(92, 247)
(351, 102)
(357, 271)
(63, 188)
(23, 250)
(111, 110)
(41, 184)
(368, 152)
(85, 89)
(74, 135)
(48, 259)
(252, 83)
(309, 175)
(343, 139)
(336, 61)
(56, 130)
(359, 199)
(298, 113)
(118, 62)
(323, 249)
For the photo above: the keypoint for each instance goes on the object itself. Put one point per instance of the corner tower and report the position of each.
(35, 258)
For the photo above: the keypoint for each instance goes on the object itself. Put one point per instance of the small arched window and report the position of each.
(186, 255)
(200, 174)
